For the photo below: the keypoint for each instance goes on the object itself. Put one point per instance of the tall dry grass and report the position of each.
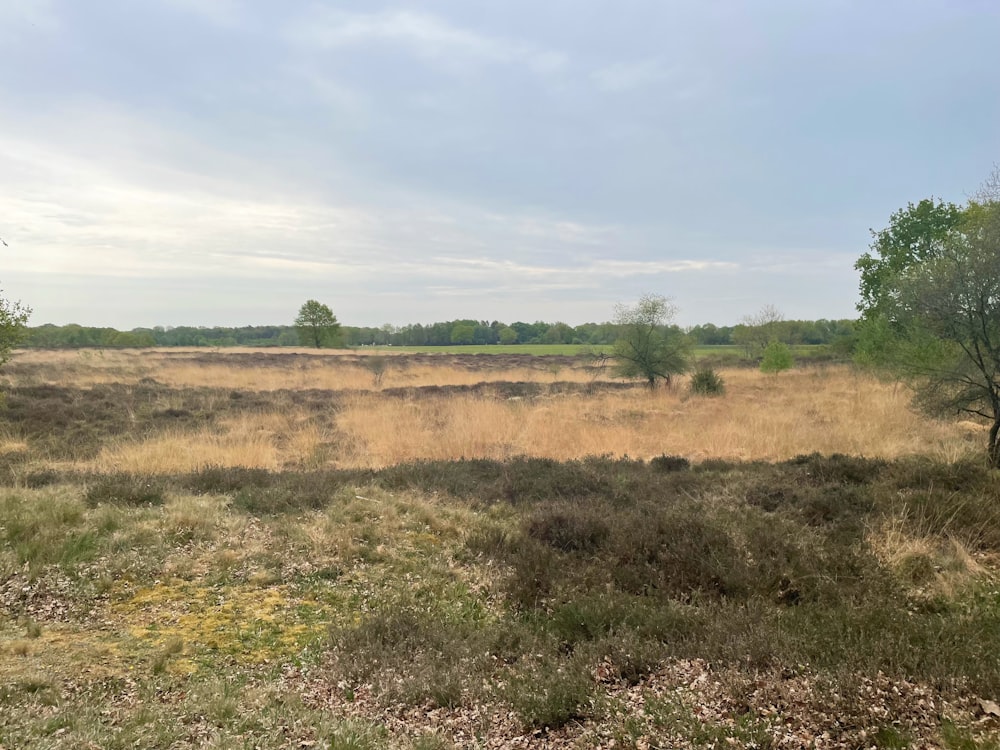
(760, 418)
(323, 369)
(272, 440)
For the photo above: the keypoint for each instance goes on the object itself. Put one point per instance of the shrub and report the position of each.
(219, 480)
(551, 696)
(839, 468)
(41, 478)
(569, 528)
(125, 489)
(707, 382)
(670, 463)
(777, 357)
(377, 365)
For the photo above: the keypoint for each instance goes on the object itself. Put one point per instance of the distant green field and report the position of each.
(536, 349)
(727, 351)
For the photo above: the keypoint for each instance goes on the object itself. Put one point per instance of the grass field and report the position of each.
(538, 350)
(270, 549)
(573, 350)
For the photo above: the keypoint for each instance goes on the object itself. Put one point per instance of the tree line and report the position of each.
(445, 333)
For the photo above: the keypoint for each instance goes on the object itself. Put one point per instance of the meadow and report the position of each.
(296, 549)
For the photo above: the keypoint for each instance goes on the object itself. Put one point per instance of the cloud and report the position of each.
(429, 37)
(625, 76)
(225, 13)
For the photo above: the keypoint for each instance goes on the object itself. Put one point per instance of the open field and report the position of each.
(268, 549)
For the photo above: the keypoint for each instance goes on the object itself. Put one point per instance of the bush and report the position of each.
(777, 357)
(125, 489)
(569, 528)
(552, 695)
(220, 480)
(707, 382)
(667, 463)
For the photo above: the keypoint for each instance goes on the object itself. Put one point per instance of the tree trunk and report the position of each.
(994, 446)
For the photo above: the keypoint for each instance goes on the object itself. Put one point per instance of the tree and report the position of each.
(936, 322)
(463, 333)
(507, 335)
(756, 331)
(13, 318)
(915, 234)
(777, 357)
(317, 325)
(648, 346)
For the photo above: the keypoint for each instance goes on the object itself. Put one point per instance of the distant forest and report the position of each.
(449, 333)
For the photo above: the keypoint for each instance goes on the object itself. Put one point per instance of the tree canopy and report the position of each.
(13, 319)
(915, 234)
(933, 315)
(317, 325)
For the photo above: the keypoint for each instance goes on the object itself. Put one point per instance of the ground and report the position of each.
(269, 550)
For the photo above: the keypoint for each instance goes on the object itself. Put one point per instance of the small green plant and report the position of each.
(777, 357)
(551, 698)
(707, 382)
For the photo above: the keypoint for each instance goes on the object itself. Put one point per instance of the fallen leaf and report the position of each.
(990, 708)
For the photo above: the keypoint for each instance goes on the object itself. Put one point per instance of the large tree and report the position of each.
(915, 234)
(317, 325)
(649, 346)
(935, 321)
(13, 318)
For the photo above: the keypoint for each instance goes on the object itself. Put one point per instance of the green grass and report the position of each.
(538, 596)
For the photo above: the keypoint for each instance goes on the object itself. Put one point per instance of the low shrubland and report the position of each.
(321, 598)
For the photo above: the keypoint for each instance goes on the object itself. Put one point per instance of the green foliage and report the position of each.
(463, 333)
(649, 347)
(707, 382)
(915, 234)
(936, 321)
(507, 336)
(777, 357)
(547, 697)
(317, 325)
(13, 318)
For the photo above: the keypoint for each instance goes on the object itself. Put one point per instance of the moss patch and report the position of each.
(253, 625)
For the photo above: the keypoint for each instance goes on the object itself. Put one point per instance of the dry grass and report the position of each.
(312, 611)
(272, 441)
(314, 369)
(761, 417)
(930, 565)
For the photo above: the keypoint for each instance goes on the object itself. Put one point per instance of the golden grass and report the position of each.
(322, 369)
(273, 440)
(761, 417)
(930, 565)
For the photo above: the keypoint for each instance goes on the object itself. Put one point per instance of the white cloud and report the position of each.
(224, 13)
(431, 38)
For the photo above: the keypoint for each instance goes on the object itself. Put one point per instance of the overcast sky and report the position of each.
(218, 162)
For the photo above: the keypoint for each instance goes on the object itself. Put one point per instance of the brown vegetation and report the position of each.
(800, 562)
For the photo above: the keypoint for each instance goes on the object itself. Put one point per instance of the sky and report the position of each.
(219, 162)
